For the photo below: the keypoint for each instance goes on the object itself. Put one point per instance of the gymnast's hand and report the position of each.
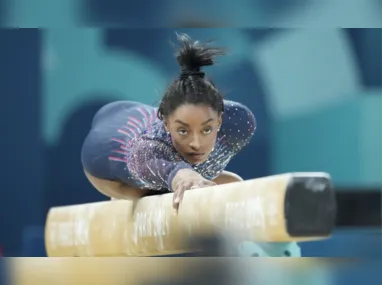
(187, 179)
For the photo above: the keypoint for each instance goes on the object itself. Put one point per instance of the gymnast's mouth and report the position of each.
(195, 154)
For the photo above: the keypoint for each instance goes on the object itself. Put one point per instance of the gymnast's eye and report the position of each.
(207, 131)
(182, 132)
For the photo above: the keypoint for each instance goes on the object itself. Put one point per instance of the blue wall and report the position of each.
(21, 143)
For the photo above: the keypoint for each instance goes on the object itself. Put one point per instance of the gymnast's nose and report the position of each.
(195, 143)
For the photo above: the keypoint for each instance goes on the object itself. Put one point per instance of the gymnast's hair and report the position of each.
(192, 87)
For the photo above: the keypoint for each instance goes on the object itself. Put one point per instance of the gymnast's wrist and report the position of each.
(182, 174)
(174, 172)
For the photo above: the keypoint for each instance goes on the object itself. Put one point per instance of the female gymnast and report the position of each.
(186, 143)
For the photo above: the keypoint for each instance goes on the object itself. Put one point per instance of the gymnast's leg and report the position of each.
(116, 190)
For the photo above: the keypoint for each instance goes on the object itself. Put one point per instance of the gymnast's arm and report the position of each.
(156, 165)
(239, 125)
(159, 166)
(150, 166)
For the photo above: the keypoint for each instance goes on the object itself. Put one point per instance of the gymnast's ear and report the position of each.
(165, 123)
(220, 119)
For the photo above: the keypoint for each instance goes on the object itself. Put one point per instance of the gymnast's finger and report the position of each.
(177, 199)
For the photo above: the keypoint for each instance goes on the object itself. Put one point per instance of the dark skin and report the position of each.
(193, 130)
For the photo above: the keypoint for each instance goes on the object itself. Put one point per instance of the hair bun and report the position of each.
(192, 55)
(185, 73)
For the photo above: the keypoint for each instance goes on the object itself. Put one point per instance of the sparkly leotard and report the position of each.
(128, 143)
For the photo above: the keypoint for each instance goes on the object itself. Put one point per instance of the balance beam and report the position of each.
(281, 208)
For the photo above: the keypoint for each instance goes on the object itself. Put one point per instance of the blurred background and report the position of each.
(315, 89)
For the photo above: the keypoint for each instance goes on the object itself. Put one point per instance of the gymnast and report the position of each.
(133, 149)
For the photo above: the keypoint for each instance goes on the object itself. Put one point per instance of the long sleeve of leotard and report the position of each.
(154, 164)
(238, 127)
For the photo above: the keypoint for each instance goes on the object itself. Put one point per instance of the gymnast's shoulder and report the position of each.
(238, 117)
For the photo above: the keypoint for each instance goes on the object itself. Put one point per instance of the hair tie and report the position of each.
(186, 73)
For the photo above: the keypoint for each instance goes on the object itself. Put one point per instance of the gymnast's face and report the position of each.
(193, 129)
